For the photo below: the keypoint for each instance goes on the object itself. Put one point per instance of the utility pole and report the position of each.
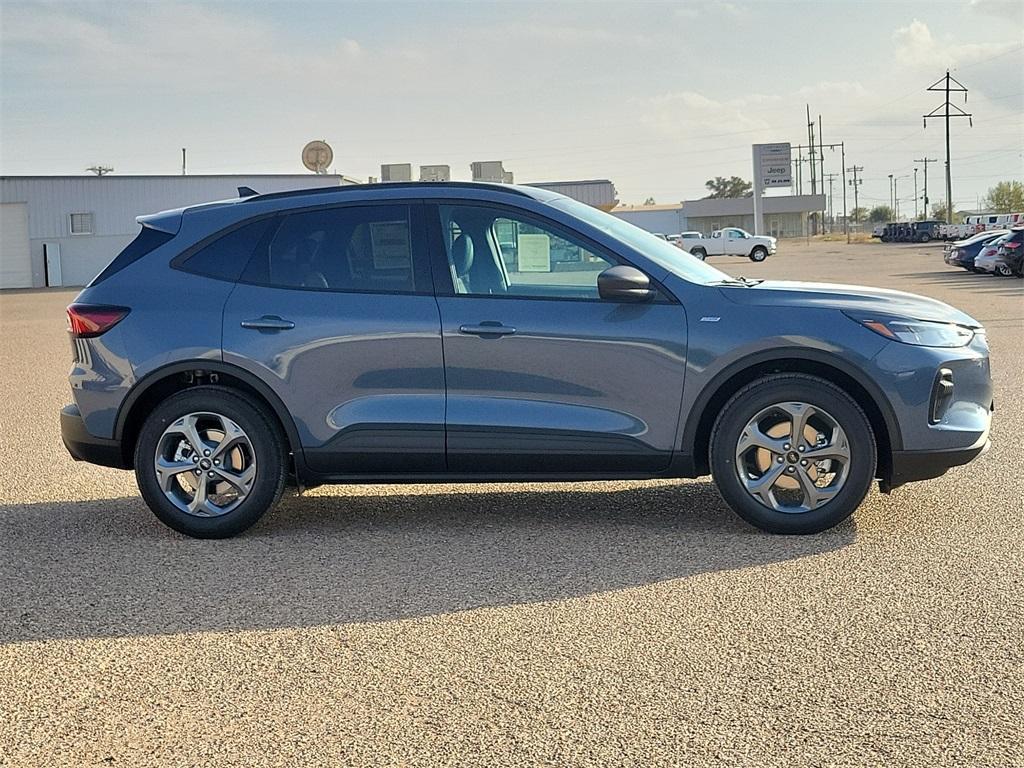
(821, 159)
(855, 182)
(814, 183)
(924, 161)
(831, 177)
(915, 194)
(892, 205)
(943, 85)
(182, 161)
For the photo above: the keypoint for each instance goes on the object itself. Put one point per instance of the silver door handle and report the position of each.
(268, 323)
(487, 329)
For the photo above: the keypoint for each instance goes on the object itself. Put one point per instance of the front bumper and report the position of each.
(911, 466)
(84, 446)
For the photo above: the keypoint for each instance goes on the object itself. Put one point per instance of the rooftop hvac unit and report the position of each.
(435, 173)
(396, 172)
(488, 170)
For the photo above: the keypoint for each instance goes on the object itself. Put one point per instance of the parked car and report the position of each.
(381, 334)
(688, 239)
(1003, 256)
(925, 231)
(879, 230)
(987, 257)
(964, 252)
(733, 241)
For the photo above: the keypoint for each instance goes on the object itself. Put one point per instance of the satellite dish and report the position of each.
(317, 156)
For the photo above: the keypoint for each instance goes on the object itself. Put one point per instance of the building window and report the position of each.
(81, 223)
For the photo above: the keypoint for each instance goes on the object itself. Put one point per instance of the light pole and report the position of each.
(915, 194)
(896, 195)
(892, 211)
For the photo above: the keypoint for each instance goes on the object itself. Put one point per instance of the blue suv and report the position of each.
(477, 333)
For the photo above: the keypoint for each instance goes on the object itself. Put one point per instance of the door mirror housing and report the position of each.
(624, 283)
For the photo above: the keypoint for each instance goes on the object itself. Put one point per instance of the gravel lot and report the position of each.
(634, 623)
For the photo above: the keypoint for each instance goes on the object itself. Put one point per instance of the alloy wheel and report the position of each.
(205, 464)
(793, 457)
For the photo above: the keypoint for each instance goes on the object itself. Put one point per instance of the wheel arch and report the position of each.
(696, 437)
(179, 376)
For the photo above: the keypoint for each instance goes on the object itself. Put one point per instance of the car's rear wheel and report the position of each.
(700, 253)
(793, 453)
(759, 254)
(210, 463)
(1004, 270)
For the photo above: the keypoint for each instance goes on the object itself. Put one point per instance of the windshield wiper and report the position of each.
(744, 281)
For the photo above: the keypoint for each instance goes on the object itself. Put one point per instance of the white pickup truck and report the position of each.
(732, 241)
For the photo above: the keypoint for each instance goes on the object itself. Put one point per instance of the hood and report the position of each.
(784, 293)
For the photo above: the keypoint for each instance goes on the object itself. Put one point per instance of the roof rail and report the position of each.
(351, 188)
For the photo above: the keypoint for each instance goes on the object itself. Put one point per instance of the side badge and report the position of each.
(710, 319)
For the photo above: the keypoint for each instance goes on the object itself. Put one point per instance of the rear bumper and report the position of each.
(84, 446)
(910, 466)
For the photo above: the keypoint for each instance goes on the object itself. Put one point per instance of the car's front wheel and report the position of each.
(793, 453)
(209, 462)
(759, 254)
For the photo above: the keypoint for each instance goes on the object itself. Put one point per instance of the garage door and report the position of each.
(15, 262)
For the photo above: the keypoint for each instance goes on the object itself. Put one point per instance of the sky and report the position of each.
(658, 97)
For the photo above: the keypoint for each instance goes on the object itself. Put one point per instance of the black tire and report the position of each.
(1003, 270)
(924, 238)
(760, 253)
(787, 387)
(268, 445)
(700, 253)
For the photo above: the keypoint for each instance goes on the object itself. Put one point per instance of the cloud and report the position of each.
(1000, 9)
(181, 47)
(916, 47)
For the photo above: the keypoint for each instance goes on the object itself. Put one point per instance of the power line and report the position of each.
(943, 85)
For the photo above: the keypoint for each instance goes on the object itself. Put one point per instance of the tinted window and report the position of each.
(226, 257)
(360, 248)
(146, 241)
(491, 253)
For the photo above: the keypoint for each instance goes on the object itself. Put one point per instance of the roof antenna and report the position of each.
(247, 192)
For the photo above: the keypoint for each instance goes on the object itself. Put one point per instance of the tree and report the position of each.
(939, 213)
(858, 214)
(880, 213)
(649, 201)
(734, 186)
(1005, 197)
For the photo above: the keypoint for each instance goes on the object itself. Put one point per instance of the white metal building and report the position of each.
(62, 230)
(784, 215)
(599, 193)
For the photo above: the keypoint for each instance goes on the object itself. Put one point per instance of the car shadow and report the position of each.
(972, 281)
(108, 568)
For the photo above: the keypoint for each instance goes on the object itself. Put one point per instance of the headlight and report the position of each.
(920, 333)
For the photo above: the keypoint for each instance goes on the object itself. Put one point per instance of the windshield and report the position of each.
(661, 252)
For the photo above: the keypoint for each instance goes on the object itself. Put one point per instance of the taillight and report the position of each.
(86, 321)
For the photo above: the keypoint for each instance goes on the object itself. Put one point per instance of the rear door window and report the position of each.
(225, 257)
(370, 249)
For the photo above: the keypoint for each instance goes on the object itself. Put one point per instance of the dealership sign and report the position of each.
(773, 165)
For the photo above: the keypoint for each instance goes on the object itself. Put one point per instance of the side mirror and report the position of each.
(623, 283)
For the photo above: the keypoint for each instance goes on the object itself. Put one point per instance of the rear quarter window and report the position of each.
(147, 241)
